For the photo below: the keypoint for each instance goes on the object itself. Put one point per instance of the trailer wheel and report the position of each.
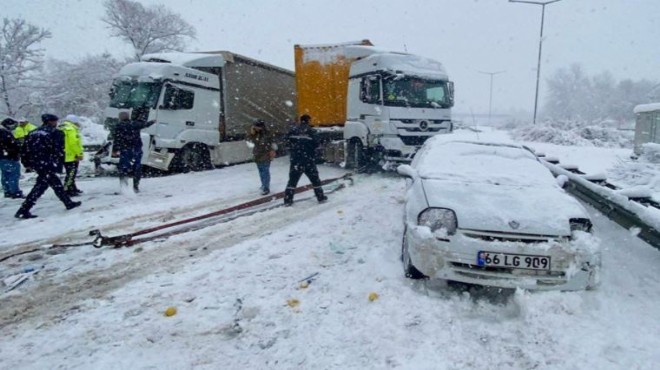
(355, 156)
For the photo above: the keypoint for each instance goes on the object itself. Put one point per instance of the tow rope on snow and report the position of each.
(129, 239)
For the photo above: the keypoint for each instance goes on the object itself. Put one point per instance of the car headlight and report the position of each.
(438, 218)
(580, 224)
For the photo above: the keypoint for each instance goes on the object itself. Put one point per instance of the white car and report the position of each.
(492, 214)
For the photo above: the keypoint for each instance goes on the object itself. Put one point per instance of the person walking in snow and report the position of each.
(128, 144)
(263, 151)
(73, 153)
(303, 141)
(43, 150)
(10, 167)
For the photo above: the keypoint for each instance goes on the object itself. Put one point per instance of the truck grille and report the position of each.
(413, 140)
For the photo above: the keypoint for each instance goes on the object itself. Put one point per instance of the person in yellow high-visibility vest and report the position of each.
(23, 129)
(73, 153)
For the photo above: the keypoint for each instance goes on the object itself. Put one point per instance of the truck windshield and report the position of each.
(133, 94)
(415, 92)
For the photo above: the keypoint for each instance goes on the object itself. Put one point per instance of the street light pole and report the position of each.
(490, 99)
(538, 66)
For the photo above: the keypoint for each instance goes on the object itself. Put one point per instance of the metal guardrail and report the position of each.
(625, 211)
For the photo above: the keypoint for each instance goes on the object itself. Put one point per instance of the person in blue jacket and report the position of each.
(43, 151)
(10, 167)
(303, 141)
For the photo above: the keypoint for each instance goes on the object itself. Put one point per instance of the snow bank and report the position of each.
(92, 132)
(643, 175)
(575, 134)
(651, 152)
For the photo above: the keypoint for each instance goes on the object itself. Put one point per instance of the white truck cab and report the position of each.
(203, 105)
(395, 103)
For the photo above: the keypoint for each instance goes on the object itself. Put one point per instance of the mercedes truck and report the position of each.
(371, 106)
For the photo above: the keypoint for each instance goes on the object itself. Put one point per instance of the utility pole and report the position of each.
(538, 67)
(490, 99)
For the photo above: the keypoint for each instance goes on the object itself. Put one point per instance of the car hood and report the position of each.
(540, 210)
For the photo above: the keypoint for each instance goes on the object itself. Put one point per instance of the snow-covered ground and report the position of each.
(240, 303)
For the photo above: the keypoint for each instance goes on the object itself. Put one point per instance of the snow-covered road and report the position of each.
(240, 304)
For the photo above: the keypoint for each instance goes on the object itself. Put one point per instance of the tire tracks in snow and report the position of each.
(127, 225)
(54, 299)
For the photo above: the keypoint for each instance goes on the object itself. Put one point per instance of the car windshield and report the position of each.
(489, 163)
(133, 94)
(415, 92)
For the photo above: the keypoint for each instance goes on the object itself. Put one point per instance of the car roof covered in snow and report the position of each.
(499, 163)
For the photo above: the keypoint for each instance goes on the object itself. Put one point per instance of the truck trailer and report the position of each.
(371, 106)
(203, 104)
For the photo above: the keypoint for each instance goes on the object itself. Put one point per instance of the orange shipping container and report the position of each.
(322, 81)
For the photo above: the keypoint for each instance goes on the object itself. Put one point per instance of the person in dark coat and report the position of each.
(128, 143)
(303, 141)
(263, 152)
(43, 151)
(10, 167)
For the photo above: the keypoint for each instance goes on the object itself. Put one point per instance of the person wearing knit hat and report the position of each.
(10, 167)
(43, 151)
(264, 150)
(73, 153)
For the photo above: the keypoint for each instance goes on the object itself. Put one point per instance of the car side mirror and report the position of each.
(562, 181)
(406, 171)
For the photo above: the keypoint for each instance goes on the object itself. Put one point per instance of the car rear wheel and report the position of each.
(409, 270)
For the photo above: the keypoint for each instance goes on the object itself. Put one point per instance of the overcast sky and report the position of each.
(621, 36)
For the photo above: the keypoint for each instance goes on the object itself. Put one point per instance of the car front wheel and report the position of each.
(409, 270)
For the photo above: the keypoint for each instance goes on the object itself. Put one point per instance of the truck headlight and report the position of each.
(438, 218)
(580, 224)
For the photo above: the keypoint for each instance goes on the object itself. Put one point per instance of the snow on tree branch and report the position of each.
(148, 30)
(19, 58)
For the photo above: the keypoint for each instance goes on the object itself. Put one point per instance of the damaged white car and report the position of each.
(492, 214)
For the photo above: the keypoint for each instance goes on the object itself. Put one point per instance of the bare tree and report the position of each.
(80, 87)
(19, 59)
(574, 95)
(148, 30)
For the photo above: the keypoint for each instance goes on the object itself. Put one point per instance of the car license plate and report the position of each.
(520, 261)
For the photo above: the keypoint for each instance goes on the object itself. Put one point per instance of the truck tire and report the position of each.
(409, 270)
(355, 156)
(192, 158)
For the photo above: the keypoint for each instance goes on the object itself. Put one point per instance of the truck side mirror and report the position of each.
(450, 87)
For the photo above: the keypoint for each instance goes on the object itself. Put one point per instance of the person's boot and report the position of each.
(288, 197)
(24, 212)
(72, 205)
(319, 195)
(136, 185)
